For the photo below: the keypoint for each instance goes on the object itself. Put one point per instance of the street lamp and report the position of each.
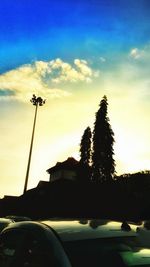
(36, 101)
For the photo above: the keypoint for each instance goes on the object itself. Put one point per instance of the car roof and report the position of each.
(79, 230)
(27, 225)
(4, 223)
(17, 218)
(69, 230)
(5, 220)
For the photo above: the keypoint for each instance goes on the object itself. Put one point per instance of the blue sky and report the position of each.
(35, 30)
(72, 53)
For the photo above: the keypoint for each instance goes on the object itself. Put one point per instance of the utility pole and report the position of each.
(36, 101)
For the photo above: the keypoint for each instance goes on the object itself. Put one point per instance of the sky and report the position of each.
(72, 53)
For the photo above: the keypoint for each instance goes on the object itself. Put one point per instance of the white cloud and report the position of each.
(66, 73)
(42, 67)
(41, 77)
(102, 59)
(136, 53)
(83, 67)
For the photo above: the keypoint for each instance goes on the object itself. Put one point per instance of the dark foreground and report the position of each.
(76, 200)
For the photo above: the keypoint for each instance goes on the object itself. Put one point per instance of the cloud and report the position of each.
(136, 53)
(43, 78)
(64, 72)
(82, 66)
(102, 59)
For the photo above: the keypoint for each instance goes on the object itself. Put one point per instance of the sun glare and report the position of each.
(45, 156)
(129, 152)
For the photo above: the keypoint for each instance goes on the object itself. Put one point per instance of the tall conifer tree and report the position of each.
(85, 147)
(103, 164)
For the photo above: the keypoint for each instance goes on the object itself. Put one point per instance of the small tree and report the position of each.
(103, 164)
(85, 147)
(85, 154)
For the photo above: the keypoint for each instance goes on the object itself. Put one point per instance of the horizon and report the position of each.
(71, 54)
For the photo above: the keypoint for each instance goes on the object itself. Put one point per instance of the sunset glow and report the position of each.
(72, 53)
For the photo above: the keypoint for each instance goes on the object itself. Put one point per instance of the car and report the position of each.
(144, 234)
(71, 243)
(143, 230)
(17, 218)
(31, 244)
(4, 222)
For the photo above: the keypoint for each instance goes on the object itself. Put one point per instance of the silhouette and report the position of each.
(71, 192)
(85, 147)
(103, 164)
(84, 173)
(67, 169)
(125, 226)
(36, 101)
(95, 223)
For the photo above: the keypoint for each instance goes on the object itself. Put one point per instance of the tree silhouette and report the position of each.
(103, 164)
(85, 147)
(84, 174)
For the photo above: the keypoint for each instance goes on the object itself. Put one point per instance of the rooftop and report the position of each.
(69, 164)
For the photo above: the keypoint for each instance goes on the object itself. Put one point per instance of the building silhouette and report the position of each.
(67, 169)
